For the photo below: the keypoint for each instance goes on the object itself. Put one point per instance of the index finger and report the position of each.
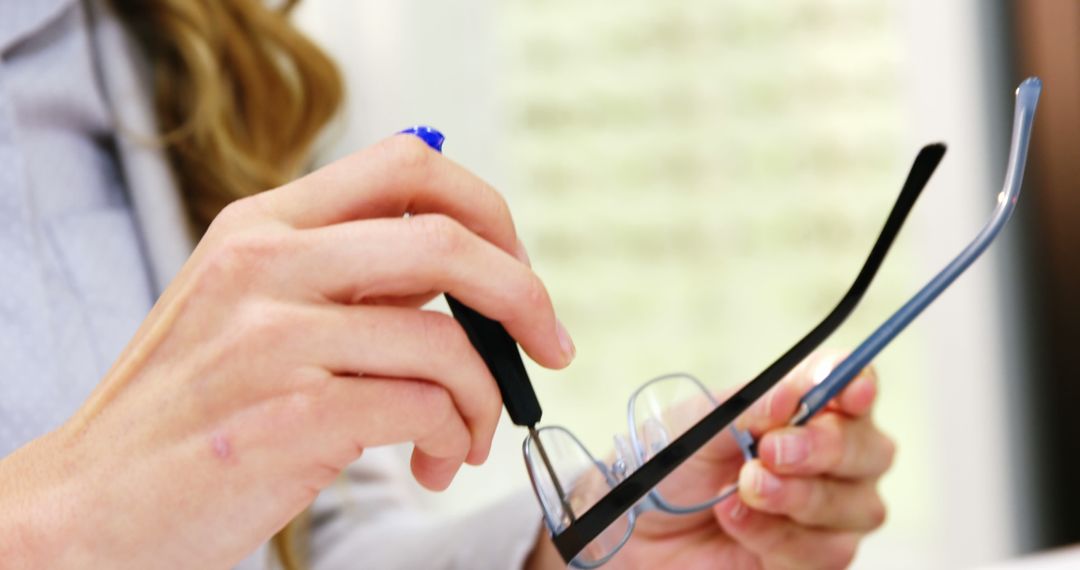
(399, 175)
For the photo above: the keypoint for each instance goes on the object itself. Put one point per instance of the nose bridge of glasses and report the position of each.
(652, 402)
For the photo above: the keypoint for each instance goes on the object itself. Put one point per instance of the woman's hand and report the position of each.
(291, 340)
(805, 502)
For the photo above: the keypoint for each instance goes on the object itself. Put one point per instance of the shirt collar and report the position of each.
(22, 19)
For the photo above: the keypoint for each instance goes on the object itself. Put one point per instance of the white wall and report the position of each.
(954, 57)
(409, 62)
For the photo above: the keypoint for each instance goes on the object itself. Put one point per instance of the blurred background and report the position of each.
(698, 182)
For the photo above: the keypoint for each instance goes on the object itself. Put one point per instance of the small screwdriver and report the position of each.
(500, 352)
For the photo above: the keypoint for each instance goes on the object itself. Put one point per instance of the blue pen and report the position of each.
(498, 349)
(495, 345)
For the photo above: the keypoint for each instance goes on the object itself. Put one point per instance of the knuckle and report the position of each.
(292, 412)
(436, 405)
(301, 405)
(440, 403)
(235, 213)
(405, 152)
(240, 255)
(487, 402)
(497, 208)
(447, 342)
(493, 403)
(442, 335)
(499, 204)
(267, 324)
(430, 397)
(809, 500)
(222, 263)
(439, 233)
(533, 295)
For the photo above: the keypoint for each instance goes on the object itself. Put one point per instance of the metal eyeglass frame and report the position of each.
(634, 492)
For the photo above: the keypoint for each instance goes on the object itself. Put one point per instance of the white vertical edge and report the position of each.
(365, 38)
(950, 47)
(416, 62)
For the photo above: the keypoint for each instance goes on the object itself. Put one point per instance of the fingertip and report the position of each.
(550, 359)
(522, 254)
(746, 479)
(547, 340)
(767, 448)
(566, 344)
(434, 473)
(479, 454)
(555, 355)
(757, 485)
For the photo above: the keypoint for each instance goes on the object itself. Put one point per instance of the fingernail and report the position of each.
(789, 449)
(522, 254)
(738, 510)
(765, 483)
(565, 343)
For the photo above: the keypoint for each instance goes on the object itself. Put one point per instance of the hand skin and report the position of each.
(805, 503)
(291, 340)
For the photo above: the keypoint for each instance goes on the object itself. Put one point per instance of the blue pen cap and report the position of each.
(498, 349)
(430, 135)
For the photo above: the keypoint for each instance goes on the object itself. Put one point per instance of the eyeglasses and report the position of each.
(591, 506)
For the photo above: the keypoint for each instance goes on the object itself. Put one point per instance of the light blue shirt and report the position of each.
(75, 281)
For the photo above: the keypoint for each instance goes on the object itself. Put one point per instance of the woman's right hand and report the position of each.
(291, 340)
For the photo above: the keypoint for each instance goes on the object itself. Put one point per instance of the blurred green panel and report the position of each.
(698, 184)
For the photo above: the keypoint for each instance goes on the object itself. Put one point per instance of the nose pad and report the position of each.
(654, 437)
(625, 459)
(746, 443)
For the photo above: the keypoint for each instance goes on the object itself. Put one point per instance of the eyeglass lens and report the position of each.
(661, 411)
(584, 481)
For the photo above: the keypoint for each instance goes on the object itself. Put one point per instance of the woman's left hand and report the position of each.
(806, 502)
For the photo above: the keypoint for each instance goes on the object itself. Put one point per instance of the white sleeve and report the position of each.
(372, 519)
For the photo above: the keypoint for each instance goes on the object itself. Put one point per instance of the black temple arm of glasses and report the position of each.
(608, 509)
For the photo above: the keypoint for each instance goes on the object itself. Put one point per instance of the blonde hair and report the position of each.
(240, 97)
(240, 94)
